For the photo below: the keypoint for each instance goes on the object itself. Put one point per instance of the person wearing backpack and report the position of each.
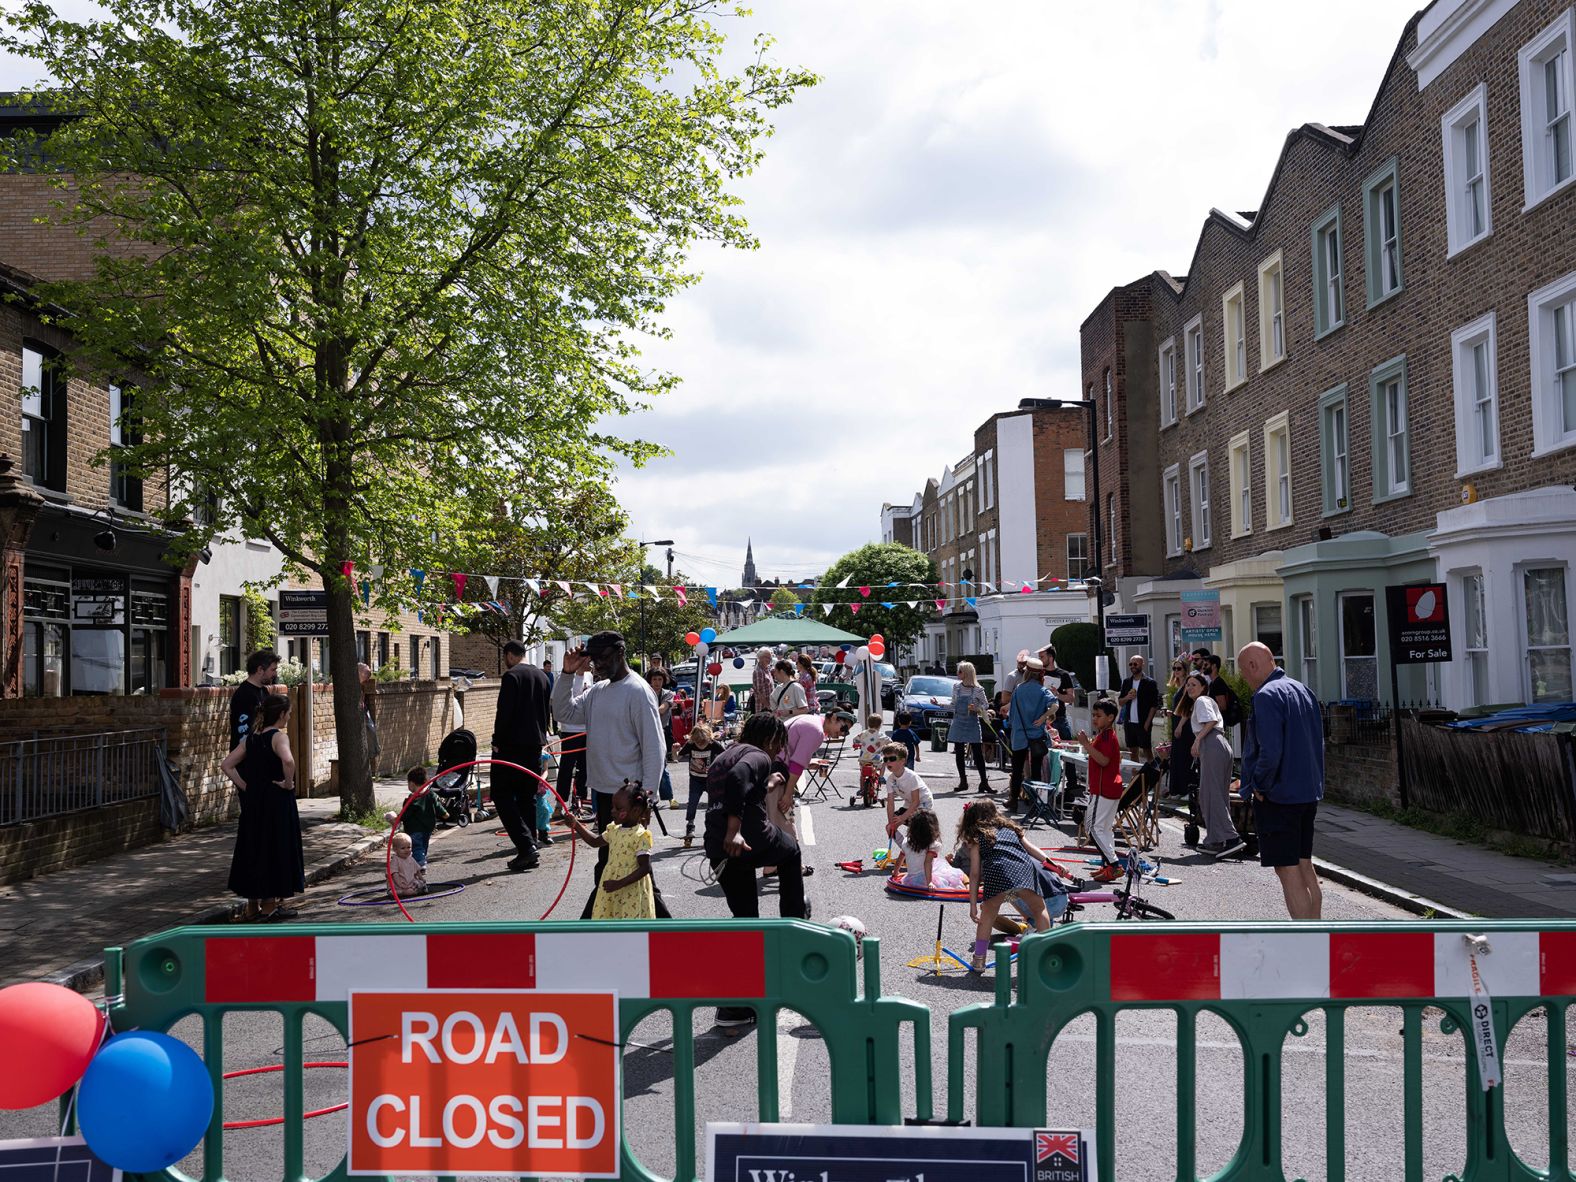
(1225, 697)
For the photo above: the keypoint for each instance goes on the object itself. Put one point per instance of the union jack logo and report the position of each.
(1046, 1144)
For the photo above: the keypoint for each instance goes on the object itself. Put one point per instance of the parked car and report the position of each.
(890, 682)
(926, 697)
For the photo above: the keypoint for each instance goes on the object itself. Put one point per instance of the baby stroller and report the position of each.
(452, 787)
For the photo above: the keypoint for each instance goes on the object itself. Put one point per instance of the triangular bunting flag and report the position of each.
(366, 592)
(798, 609)
(459, 584)
(1027, 588)
(492, 584)
(865, 591)
(844, 584)
(854, 607)
(682, 596)
(711, 594)
(347, 569)
(377, 570)
(971, 601)
(420, 577)
(565, 588)
(534, 585)
(617, 589)
(890, 605)
(941, 605)
(826, 609)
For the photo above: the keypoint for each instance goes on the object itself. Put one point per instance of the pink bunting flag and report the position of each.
(459, 584)
(618, 590)
(865, 591)
(941, 605)
(683, 596)
(347, 568)
(854, 607)
(1027, 588)
(599, 589)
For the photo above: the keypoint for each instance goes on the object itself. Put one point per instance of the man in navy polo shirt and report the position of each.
(1283, 768)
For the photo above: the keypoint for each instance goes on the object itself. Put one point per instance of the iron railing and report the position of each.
(53, 775)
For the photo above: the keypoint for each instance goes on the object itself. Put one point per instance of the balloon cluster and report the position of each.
(701, 643)
(144, 1099)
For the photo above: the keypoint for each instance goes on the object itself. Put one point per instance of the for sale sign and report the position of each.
(1419, 623)
(503, 1082)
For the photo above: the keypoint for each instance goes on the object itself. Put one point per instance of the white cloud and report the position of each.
(939, 216)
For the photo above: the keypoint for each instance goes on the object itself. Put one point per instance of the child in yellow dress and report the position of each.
(626, 891)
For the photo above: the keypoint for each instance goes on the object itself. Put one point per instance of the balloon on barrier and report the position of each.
(54, 1031)
(877, 649)
(708, 634)
(715, 668)
(863, 653)
(848, 648)
(738, 662)
(702, 648)
(145, 1102)
(692, 638)
(878, 639)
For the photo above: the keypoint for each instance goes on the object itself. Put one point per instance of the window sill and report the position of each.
(1387, 498)
(1265, 367)
(1458, 251)
(51, 494)
(1241, 533)
(1487, 466)
(1329, 513)
(1201, 549)
(1375, 301)
(1280, 525)
(1320, 334)
(1547, 193)
(1168, 426)
(1173, 554)
(1236, 385)
(1538, 451)
(1193, 410)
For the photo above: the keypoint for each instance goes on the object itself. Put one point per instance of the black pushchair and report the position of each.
(453, 787)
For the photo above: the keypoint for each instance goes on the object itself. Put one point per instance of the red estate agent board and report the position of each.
(501, 1082)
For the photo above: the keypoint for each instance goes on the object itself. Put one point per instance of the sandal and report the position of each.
(977, 963)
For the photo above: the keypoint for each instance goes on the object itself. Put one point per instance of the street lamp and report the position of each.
(645, 657)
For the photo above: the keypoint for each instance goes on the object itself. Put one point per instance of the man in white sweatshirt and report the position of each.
(624, 739)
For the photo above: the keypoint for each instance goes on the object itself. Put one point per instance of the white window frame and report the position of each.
(1069, 492)
(1527, 648)
(1277, 473)
(1382, 263)
(1110, 409)
(1462, 172)
(1547, 410)
(1474, 649)
(1166, 367)
(1272, 311)
(988, 480)
(1559, 38)
(1470, 403)
(1234, 332)
(1308, 639)
(1083, 546)
(1199, 501)
(1110, 523)
(1341, 599)
(1391, 442)
(1240, 455)
(1328, 287)
(1171, 497)
(1335, 451)
(1193, 361)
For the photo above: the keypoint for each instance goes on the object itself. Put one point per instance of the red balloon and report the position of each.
(55, 1031)
(714, 668)
(877, 649)
(692, 638)
(878, 639)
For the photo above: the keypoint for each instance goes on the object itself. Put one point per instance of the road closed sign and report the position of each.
(501, 1082)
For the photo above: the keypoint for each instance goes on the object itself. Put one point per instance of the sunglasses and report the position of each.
(894, 759)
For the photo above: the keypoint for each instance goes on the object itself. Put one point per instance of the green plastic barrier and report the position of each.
(769, 965)
(1263, 979)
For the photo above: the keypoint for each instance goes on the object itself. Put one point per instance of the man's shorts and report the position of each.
(1136, 736)
(1285, 831)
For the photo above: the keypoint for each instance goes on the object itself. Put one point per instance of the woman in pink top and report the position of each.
(806, 733)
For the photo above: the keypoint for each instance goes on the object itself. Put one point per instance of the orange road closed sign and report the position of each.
(504, 1082)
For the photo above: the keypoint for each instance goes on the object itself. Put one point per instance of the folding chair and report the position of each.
(818, 776)
(1134, 814)
(1046, 795)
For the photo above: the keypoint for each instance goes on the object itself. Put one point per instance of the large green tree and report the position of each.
(877, 566)
(371, 260)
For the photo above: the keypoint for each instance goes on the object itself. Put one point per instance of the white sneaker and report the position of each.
(1227, 847)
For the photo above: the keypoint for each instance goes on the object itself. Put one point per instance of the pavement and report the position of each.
(726, 1075)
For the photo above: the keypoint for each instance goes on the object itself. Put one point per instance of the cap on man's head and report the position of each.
(844, 717)
(604, 642)
(1035, 665)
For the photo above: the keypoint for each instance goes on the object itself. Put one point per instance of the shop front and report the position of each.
(102, 612)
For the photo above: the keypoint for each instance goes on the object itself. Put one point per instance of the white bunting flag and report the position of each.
(492, 585)
(826, 609)
(563, 586)
(845, 582)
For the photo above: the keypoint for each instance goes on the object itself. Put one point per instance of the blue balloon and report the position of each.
(707, 635)
(145, 1101)
(848, 648)
(738, 662)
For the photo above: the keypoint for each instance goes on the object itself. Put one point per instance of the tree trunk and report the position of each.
(350, 724)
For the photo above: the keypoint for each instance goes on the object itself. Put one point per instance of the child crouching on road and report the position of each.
(1004, 867)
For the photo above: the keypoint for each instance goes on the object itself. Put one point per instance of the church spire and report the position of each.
(749, 564)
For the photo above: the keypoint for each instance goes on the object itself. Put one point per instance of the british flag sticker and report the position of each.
(1061, 1155)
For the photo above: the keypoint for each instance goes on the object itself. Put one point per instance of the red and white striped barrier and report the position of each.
(1277, 966)
(258, 970)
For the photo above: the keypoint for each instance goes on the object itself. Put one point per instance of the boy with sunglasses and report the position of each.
(903, 784)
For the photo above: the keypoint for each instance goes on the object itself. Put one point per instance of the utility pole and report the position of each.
(645, 657)
(670, 564)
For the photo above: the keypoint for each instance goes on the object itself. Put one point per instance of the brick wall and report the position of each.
(55, 843)
(1317, 171)
(1055, 432)
(1361, 771)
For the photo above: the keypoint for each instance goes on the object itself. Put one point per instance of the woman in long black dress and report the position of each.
(268, 866)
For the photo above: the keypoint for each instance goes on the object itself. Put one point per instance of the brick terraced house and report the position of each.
(1370, 380)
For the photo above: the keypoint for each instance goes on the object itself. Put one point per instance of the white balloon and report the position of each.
(702, 649)
(862, 653)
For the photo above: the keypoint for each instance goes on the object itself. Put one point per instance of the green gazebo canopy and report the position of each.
(785, 628)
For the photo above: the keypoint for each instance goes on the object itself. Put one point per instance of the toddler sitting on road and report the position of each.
(410, 876)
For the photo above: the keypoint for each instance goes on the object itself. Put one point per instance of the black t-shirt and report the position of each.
(245, 705)
(1056, 680)
(737, 783)
(1231, 712)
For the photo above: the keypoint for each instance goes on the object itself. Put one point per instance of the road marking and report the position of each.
(806, 822)
(787, 1060)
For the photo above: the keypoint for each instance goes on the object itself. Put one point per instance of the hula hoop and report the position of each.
(897, 886)
(388, 844)
(438, 890)
(278, 1120)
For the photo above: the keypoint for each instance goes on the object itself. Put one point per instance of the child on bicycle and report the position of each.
(867, 745)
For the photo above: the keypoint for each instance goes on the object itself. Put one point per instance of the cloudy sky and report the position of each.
(936, 219)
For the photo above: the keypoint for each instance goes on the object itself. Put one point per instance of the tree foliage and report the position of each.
(876, 566)
(783, 600)
(666, 619)
(370, 263)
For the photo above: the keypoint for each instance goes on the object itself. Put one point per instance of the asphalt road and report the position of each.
(726, 1067)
